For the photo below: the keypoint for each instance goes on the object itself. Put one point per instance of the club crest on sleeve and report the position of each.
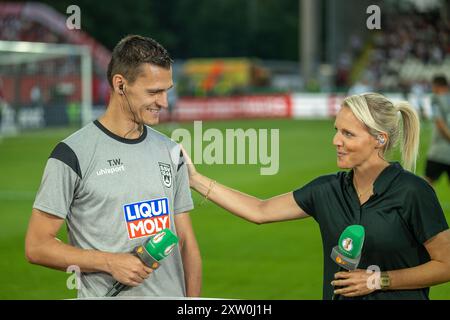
(166, 174)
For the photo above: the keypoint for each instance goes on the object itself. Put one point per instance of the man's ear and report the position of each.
(119, 84)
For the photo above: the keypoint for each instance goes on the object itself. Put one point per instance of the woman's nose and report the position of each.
(337, 141)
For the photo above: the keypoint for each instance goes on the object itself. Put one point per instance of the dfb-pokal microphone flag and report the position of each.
(156, 248)
(347, 253)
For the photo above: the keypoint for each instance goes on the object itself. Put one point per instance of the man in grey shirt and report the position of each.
(116, 182)
(438, 159)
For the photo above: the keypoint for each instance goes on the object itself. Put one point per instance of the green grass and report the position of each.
(240, 260)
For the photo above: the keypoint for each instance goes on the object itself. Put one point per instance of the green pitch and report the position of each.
(240, 260)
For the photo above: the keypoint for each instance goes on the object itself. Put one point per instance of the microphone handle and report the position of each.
(146, 258)
(335, 295)
(116, 289)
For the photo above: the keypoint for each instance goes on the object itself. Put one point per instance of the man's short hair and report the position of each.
(440, 80)
(131, 52)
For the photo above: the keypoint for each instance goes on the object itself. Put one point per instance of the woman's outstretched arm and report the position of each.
(278, 208)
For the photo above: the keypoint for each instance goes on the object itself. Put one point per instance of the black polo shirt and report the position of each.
(399, 217)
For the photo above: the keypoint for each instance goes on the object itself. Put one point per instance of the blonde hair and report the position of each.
(381, 116)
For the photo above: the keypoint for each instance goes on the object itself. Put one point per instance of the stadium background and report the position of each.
(302, 56)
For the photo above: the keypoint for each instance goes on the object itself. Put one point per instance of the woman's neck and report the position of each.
(366, 174)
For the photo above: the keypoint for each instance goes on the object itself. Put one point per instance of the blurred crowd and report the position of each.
(402, 55)
(409, 40)
(16, 29)
(423, 36)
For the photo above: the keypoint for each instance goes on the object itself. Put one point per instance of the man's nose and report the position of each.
(162, 99)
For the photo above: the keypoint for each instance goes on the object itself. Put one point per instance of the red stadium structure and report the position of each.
(37, 22)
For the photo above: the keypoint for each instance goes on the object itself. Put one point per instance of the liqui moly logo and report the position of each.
(147, 217)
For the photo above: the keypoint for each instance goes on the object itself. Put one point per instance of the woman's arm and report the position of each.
(428, 274)
(279, 208)
(436, 271)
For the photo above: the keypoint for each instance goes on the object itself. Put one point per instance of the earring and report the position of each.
(381, 139)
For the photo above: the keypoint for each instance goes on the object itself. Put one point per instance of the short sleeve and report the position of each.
(60, 179)
(306, 197)
(424, 214)
(183, 198)
(436, 108)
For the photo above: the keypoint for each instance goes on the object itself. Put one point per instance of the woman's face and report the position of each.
(354, 145)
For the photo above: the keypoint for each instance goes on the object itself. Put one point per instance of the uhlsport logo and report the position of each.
(115, 165)
(147, 217)
(166, 174)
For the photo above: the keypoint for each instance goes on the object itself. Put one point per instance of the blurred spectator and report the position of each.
(344, 66)
(360, 87)
(7, 115)
(438, 158)
(35, 96)
(418, 90)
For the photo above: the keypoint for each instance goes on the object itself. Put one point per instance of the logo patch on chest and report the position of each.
(166, 174)
(147, 217)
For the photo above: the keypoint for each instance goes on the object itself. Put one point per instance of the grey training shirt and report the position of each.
(114, 193)
(440, 147)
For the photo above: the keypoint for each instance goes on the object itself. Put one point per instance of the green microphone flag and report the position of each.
(347, 253)
(155, 249)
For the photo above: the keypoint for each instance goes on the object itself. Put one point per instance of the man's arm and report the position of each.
(190, 254)
(443, 129)
(43, 248)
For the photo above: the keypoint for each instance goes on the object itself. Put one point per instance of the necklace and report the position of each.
(360, 194)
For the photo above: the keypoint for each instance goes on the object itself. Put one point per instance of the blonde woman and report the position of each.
(407, 235)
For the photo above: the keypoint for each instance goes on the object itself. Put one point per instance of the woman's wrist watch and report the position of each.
(385, 281)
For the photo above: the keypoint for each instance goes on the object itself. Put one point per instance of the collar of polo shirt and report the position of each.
(383, 181)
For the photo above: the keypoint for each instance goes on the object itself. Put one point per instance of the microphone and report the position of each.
(347, 253)
(140, 123)
(155, 248)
